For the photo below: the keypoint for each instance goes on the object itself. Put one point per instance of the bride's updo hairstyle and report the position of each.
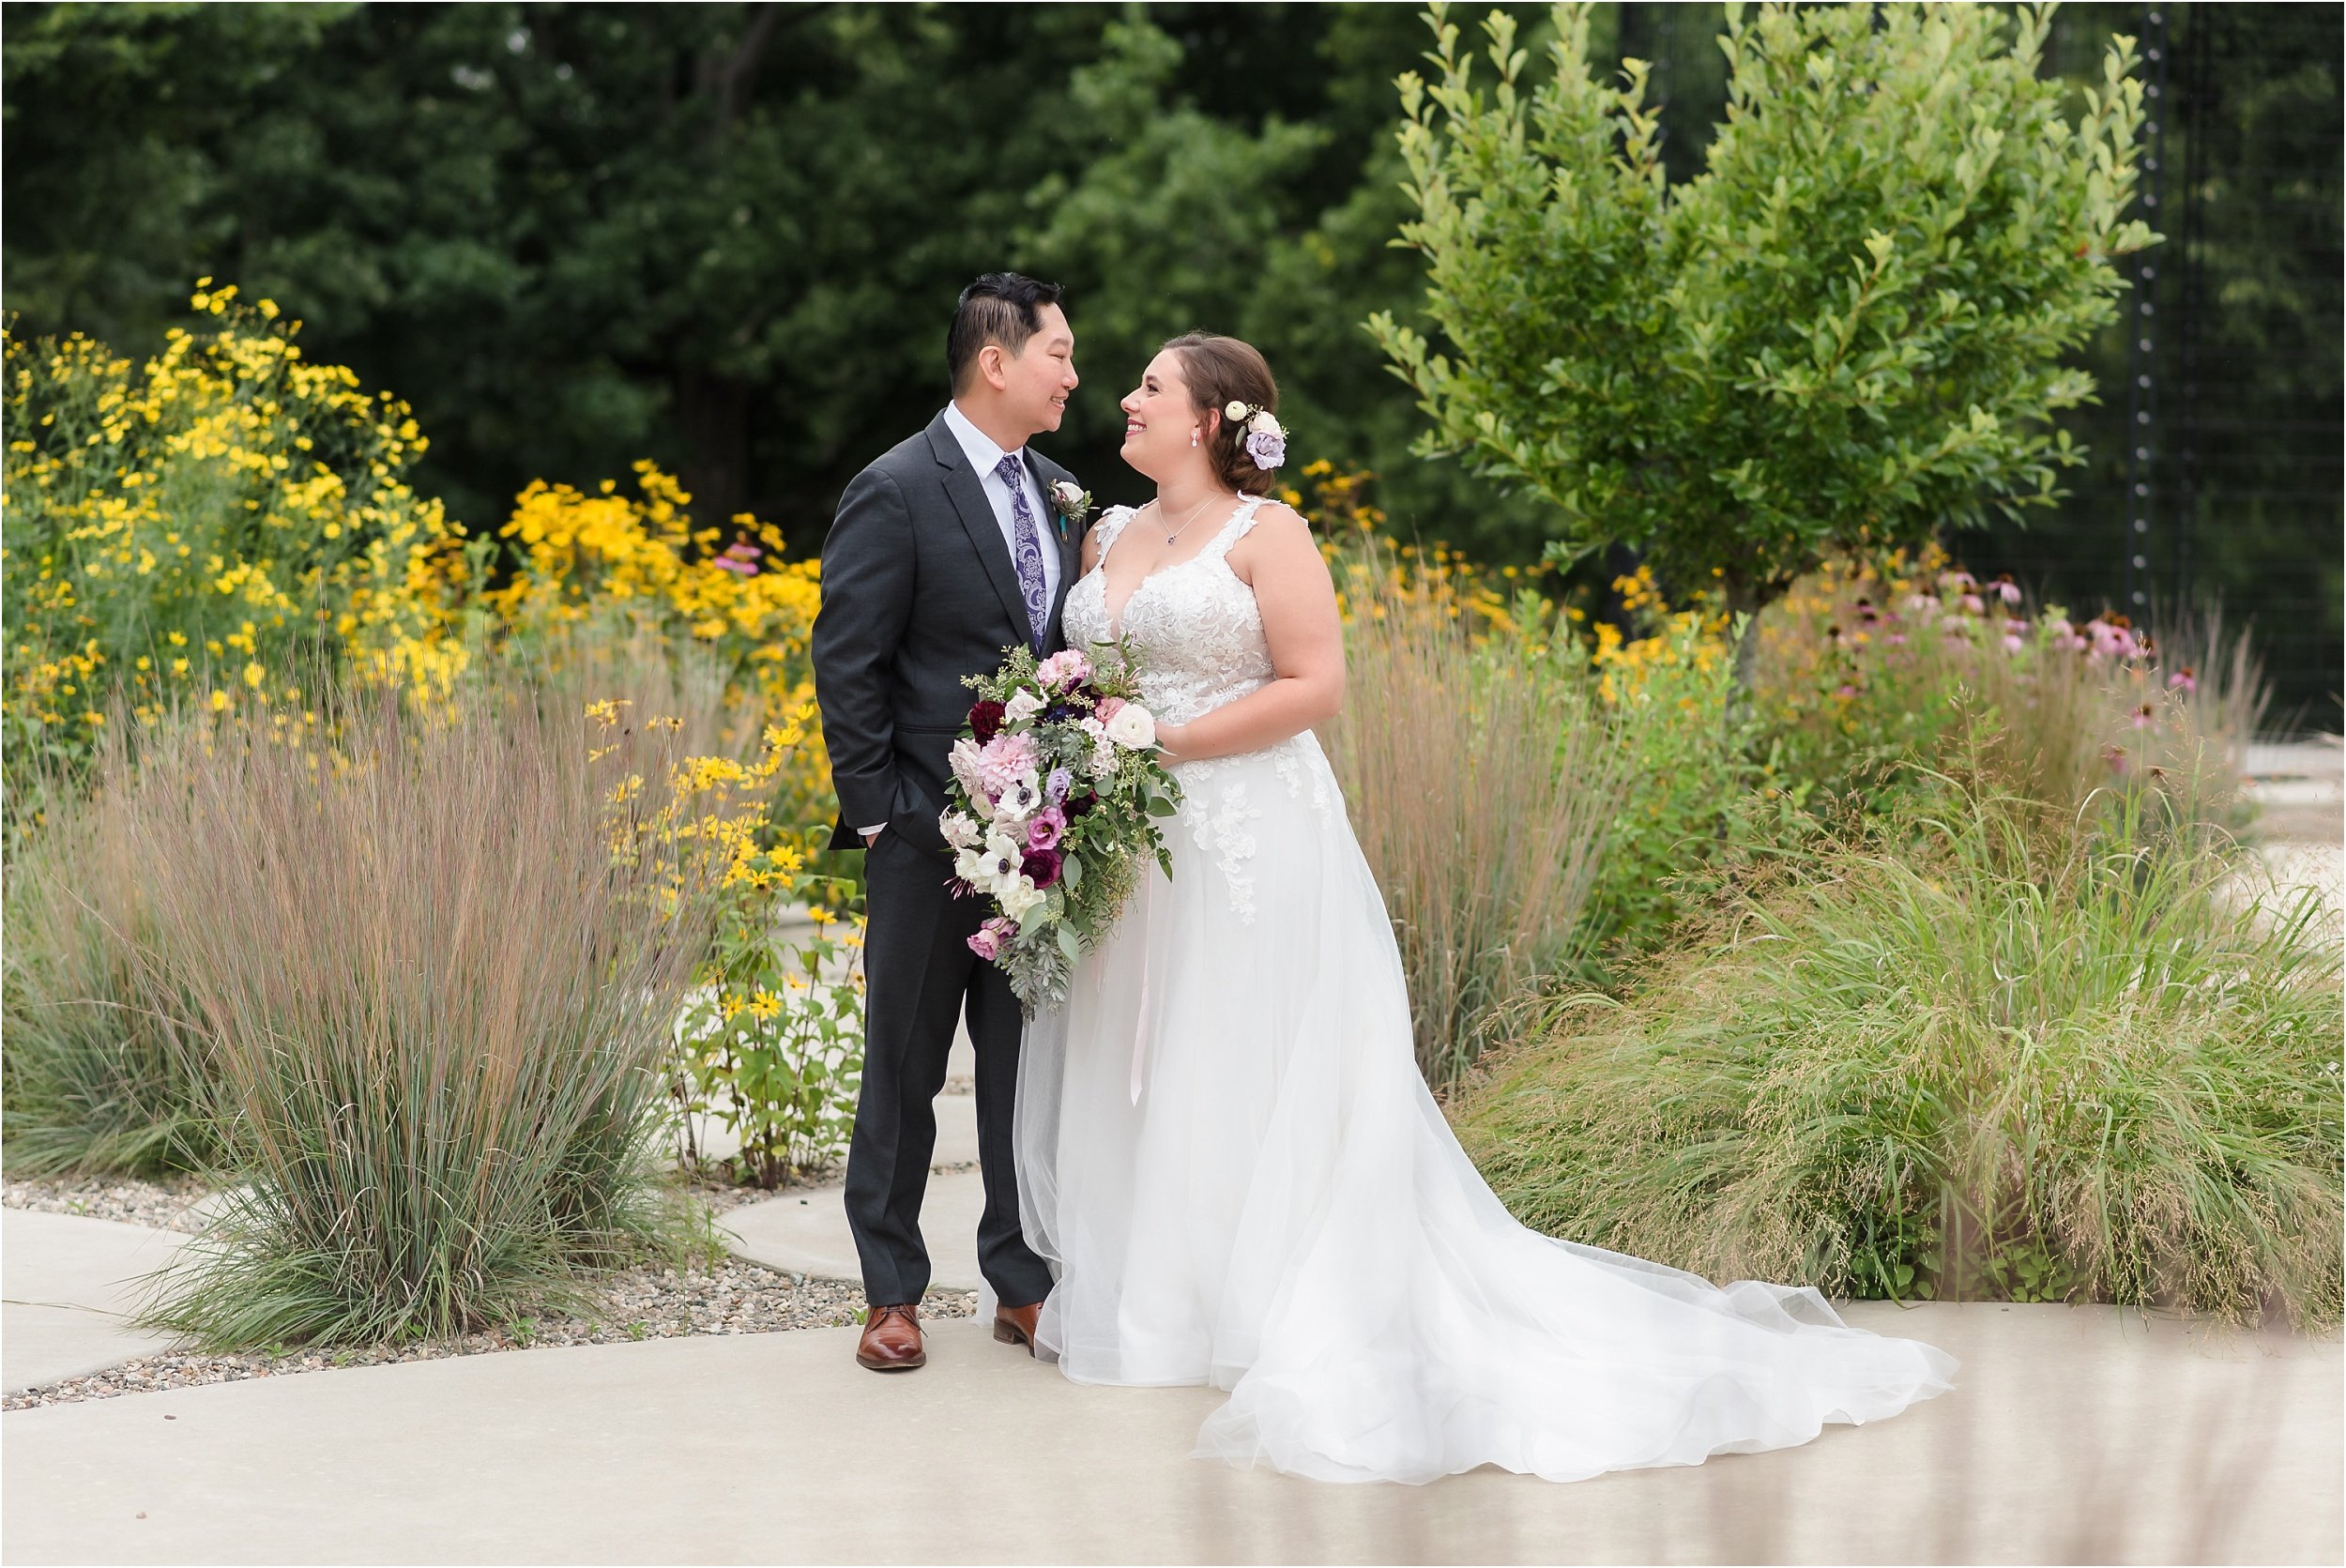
(1220, 371)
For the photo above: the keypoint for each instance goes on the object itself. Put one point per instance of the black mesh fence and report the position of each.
(2214, 473)
(2215, 479)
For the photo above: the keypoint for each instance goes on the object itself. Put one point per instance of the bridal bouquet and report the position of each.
(1056, 794)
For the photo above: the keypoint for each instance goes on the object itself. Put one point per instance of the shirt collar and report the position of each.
(983, 455)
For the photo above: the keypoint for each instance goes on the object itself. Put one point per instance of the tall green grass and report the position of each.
(436, 971)
(1985, 1047)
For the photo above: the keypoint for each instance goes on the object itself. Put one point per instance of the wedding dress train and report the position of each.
(1227, 1150)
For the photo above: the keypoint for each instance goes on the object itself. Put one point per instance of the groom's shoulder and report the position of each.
(908, 459)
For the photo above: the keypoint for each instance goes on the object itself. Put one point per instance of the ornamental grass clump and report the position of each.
(1483, 777)
(1986, 1049)
(103, 1073)
(436, 969)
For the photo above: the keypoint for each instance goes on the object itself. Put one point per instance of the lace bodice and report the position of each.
(1194, 628)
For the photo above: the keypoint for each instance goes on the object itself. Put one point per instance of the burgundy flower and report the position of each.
(985, 719)
(1041, 866)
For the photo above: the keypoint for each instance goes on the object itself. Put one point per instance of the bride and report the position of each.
(1225, 1145)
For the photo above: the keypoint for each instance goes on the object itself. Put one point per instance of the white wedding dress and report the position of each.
(1227, 1150)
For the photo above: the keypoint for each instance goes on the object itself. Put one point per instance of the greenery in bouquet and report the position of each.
(1055, 794)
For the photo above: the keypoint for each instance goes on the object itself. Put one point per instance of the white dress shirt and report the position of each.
(985, 457)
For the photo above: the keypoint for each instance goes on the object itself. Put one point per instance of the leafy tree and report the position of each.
(1849, 329)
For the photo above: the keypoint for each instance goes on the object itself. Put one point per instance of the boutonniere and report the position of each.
(1071, 501)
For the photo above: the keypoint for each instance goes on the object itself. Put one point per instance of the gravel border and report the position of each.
(734, 1296)
(161, 1205)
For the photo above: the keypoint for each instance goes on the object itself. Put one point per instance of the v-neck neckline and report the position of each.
(1116, 617)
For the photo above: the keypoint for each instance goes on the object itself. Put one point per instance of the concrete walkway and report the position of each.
(2073, 1434)
(68, 1281)
(803, 1231)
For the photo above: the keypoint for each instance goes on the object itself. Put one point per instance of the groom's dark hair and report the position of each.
(1003, 307)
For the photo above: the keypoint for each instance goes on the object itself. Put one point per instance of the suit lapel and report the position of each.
(1070, 544)
(978, 520)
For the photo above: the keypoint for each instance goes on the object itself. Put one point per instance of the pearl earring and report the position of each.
(1193, 438)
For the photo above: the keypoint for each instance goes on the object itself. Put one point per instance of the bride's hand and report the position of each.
(1172, 741)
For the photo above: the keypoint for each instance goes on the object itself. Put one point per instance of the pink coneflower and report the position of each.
(2009, 590)
(741, 550)
(2011, 643)
(2183, 680)
(1972, 604)
(727, 563)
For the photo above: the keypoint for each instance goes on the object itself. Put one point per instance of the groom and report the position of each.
(945, 552)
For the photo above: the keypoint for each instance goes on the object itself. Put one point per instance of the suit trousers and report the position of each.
(920, 978)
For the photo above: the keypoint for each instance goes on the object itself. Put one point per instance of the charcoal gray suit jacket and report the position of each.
(917, 592)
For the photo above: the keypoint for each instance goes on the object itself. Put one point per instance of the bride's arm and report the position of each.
(1299, 623)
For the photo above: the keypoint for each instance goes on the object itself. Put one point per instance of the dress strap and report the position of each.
(1242, 523)
(1110, 525)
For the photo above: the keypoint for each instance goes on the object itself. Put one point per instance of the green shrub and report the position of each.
(1998, 1049)
(772, 1046)
(1697, 803)
(1848, 330)
(1866, 668)
(436, 971)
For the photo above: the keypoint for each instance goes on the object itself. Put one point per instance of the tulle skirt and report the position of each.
(1226, 1150)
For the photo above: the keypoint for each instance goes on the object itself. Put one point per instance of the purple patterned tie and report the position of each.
(1026, 548)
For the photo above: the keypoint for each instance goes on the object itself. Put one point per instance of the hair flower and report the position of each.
(1266, 443)
(1234, 410)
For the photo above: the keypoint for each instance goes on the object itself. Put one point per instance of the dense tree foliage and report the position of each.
(725, 237)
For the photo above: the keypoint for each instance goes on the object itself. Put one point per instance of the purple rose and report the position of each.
(1041, 866)
(1267, 447)
(1054, 788)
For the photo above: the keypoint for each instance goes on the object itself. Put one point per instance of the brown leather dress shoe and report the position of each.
(892, 1339)
(1015, 1325)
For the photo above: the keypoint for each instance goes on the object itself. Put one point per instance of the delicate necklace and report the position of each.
(1187, 520)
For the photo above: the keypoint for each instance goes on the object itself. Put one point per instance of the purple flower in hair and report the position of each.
(1267, 447)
